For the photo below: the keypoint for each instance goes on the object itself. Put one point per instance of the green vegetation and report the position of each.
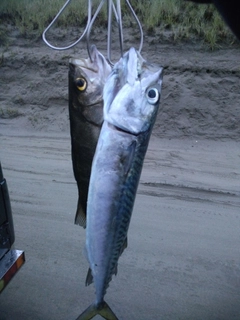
(185, 20)
(9, 113)
(182, 19)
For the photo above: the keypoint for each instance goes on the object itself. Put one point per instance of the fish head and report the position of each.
(86, 80)
(132, 93)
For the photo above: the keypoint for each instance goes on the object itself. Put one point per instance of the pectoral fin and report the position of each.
(89, 278)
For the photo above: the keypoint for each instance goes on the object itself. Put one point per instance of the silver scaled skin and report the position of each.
(131, 101)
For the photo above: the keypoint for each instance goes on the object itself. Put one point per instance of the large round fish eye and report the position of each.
(81, 84)
(153, 95)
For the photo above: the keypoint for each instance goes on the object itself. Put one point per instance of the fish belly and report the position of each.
(114, 179)
(84, 140)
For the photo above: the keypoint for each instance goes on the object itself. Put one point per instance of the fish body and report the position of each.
(131, 100)
(86, 81)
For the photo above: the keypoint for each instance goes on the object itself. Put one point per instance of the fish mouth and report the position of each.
(94, 103)
(81, 63)
(92, 63)
(119, 129)
(128, 86)
(86, 63)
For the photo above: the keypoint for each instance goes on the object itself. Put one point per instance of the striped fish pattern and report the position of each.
(131, 101)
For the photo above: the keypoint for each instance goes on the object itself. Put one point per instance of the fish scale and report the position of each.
(128, 187)
(131, 100)
(86, 118)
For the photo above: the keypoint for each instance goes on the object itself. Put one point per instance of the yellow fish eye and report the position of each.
(81, 84)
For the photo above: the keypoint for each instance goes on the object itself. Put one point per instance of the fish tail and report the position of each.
(80, 217)
(102, 309)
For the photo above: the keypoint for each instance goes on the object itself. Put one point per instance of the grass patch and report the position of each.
(35, 15)
(185, 20)
(9, 113)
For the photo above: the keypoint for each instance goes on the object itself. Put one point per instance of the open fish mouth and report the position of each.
(82, 63)
(97, 62)
(86, 80)
(132, 92)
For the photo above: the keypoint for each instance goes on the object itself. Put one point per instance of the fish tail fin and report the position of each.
(102, 309)
(80, 217)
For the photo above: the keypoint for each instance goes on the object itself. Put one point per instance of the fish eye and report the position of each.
(81, 84)
(153, 95)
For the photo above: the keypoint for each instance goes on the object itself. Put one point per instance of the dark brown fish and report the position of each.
(86, 81)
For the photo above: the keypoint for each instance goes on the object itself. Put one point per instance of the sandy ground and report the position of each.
(183, 258)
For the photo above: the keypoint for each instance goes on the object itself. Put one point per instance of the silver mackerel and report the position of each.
(131, 101)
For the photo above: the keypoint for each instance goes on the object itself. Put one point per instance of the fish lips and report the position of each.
(95, 66)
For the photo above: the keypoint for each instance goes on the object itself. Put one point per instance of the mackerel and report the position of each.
(131, 101)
